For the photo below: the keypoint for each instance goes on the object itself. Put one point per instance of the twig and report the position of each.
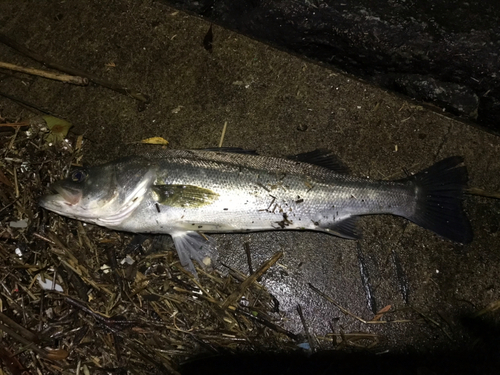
(44, 238)
(483, 193)
(312, 343)
(16, 185)
(347, 312)
(29, 344)
(432, 321)
(23, 331)
(493, 306)
(11, 144)
(26, 104)
(80, 81)
(15, 124)
(268, 324)
(249, 256)
(51, 64)
(114, 325)
(253, 277)
(223, 134)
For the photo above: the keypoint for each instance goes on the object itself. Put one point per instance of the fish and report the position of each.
(188, 193)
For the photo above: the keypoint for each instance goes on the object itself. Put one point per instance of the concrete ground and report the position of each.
(277, 104)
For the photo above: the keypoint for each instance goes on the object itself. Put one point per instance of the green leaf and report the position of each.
(58, 129)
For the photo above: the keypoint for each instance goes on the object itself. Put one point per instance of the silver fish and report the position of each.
(185, 193)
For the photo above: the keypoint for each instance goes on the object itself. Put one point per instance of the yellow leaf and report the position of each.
(155, 141)
(381, 313)
(58, 129)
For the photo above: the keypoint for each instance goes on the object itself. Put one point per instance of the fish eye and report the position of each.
(78, 175)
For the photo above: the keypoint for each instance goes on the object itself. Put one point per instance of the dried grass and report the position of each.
(120, 310)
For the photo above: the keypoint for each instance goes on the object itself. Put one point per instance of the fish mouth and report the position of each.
(61, 197)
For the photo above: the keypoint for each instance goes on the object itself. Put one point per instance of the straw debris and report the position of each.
(120, 309)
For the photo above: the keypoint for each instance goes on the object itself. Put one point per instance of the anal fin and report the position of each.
(346, 228)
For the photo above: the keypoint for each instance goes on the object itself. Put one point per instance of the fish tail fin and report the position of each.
(439, 191)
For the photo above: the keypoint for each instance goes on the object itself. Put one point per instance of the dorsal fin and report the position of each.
(322, 158)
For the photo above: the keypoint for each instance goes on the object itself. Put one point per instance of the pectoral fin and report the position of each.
(193, 246)
(183, 195)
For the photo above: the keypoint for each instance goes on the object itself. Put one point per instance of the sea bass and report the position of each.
(185, 193)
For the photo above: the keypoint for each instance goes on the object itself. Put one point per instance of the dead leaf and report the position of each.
(58, 129)
(155, 141)
(381, 313)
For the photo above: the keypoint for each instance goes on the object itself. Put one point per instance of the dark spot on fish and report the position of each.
(285, 222)
(299, 201)
(225, 209)
(192, 224)
(281, 224)
(133, 200)
(263, 187)
(157, 207)
(315, 223)
(200, 226)
(270, 204)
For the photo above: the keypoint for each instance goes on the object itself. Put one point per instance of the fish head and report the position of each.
(104, 195)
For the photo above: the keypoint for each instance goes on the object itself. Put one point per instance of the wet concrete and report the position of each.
(277, 104)
(444, 52)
